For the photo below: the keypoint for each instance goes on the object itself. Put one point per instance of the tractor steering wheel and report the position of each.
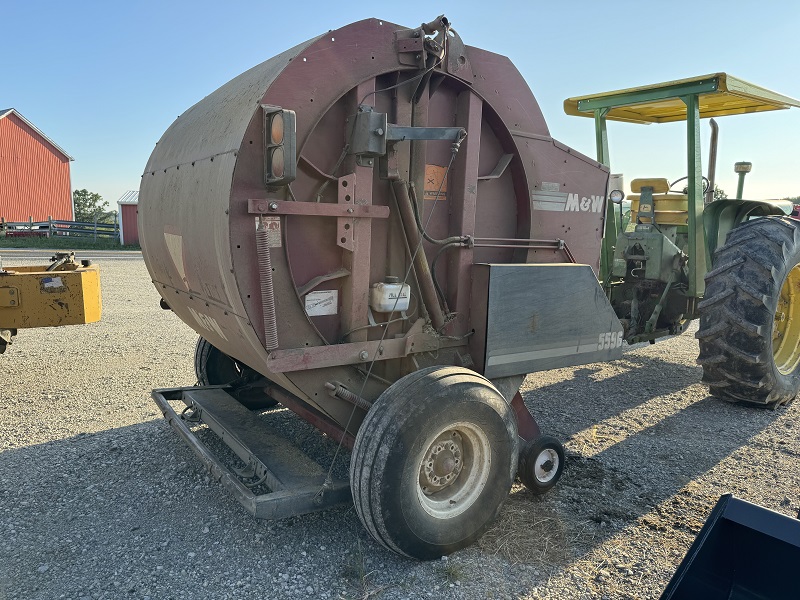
(706, 183)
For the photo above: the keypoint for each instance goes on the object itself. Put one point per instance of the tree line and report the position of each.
(90, 207)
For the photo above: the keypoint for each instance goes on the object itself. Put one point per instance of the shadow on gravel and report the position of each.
(577, 403)
(130, 512)
(646, 479)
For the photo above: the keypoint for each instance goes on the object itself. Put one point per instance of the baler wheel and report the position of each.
(214, 367)
(541, 463)
(434, 461)
(750, 317)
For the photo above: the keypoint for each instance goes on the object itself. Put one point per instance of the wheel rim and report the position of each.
(453, 470)
(546, 465)
(786, 332)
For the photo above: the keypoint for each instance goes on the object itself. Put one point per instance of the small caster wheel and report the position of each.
(541, 462)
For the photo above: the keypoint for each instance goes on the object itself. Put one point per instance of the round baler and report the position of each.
(376, 229)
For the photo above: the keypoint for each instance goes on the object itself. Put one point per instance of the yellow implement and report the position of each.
(62, 293)
(720, 95)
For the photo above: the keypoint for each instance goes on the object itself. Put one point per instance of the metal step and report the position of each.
(297, 483)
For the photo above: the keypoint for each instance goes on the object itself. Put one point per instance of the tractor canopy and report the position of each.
(719, 95)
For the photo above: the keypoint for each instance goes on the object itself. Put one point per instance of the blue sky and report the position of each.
(105, 79)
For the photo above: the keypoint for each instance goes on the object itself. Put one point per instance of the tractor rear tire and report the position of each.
(434, 461)
(213, 367)
(750, 317)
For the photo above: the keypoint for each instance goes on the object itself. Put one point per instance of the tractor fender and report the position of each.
(720, 216)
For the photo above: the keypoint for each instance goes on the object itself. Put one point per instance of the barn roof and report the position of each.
(130, 197)
(7, 111)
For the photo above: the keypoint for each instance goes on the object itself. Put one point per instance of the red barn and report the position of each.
(34, 173)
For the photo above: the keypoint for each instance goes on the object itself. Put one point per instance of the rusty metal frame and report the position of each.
(276, 504)
(318, 357)
(316, 209)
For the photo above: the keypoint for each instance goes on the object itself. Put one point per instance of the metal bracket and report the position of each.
(370, 133)
(410, 48)
(9, 297)
(302, 359)
(499, 169)
(261, 206)
(345, 226)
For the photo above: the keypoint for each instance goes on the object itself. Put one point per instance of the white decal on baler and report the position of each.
(612, 339)
(324, 302)
(563, 202)
(553, 201)
(208, 323)
(578, 347)
(590, 204)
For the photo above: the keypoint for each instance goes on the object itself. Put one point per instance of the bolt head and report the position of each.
(273, 206)
(363, 355)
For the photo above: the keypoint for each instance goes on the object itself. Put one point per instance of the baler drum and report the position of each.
(368, 112)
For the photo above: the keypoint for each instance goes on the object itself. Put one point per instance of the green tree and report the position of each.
(90, 206)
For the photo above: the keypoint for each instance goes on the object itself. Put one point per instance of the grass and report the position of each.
(452, 572)
(63, 243)
(527, 532)
(355, 572)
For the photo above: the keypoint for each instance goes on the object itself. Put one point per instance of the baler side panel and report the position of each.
(531, 325)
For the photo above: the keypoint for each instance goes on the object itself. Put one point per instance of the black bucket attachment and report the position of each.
(743, 552)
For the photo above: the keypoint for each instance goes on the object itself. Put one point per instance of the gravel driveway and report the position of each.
(100, 499)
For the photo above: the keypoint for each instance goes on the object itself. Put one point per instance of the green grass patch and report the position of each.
(63, 243)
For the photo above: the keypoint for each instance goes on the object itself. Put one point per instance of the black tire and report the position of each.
(214, 367)
(744, 354)
(541, 463)
(407, 502)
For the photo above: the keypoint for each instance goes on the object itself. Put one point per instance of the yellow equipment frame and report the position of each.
(36, 297)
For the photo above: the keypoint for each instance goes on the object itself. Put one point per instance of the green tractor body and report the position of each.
(658, 265)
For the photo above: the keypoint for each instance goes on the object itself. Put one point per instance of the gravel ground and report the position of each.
(100, 499)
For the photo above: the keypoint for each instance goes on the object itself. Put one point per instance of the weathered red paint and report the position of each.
(34, 173)
(129, 223)
(198, 230)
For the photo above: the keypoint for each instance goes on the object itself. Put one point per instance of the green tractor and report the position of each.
(732, 263)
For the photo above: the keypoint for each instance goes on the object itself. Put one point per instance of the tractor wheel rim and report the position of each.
(786, 331)
(546, 465)
(453, 470)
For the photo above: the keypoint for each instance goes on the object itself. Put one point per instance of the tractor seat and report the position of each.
(670, 208)
(659, 185)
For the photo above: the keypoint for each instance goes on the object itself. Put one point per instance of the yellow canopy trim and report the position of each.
(726, 95)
